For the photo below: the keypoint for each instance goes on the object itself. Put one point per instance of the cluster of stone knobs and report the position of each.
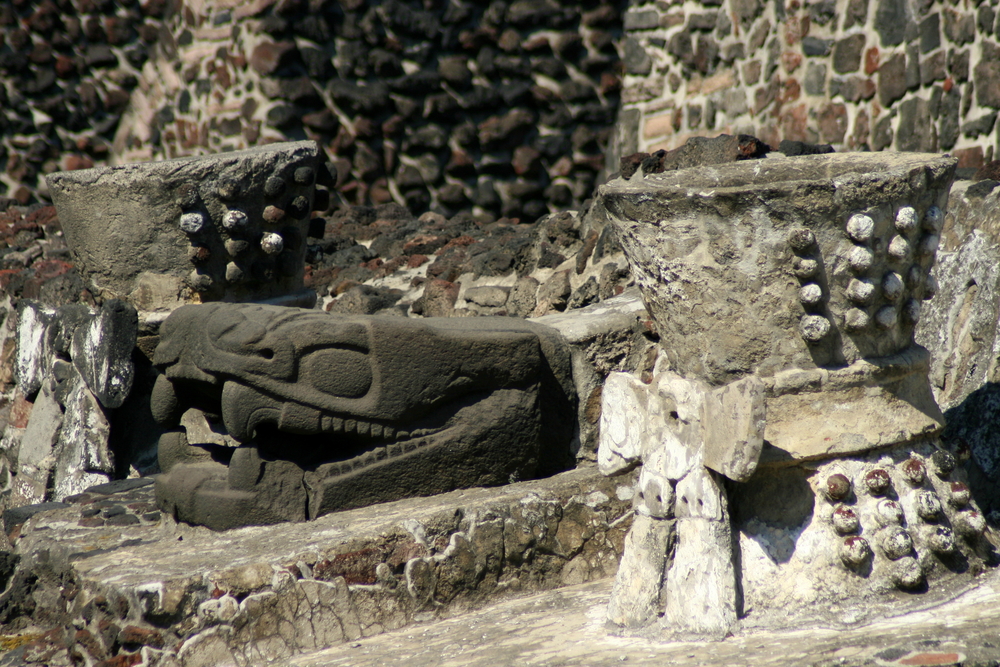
(895, 535)
(907, 252)
(874, 299)
(276, 230)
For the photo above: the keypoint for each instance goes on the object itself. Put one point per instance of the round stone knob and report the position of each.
(810, 294)
(930, 287)
(855, 552)
(801, 239)
(861, 291)
(236, 246)
(886, 317)
(272, 243)
(305, 176)
(895, 542)
(192, 223)
(877, 481)
(960, 495)
(914, 471)
(933, 219)
(199, 282)
(837, 486)
(199, 254)
(907, 573)
(906, 219)
(970, 524)
(929, 244)
(928, 506)
(943, 462)
(939, 539)
(899, 248)
(845, 520)
(860, 228)
(892, 286)
(814, 328)
(888, 512)
(273, 215)
(804, 267)
(860, 259)
(235, 220)
(274, 186)
(856, 320)
(234, 274)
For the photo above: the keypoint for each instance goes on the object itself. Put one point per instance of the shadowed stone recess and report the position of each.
(380, 409)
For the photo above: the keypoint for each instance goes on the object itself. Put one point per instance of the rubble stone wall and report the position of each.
(504, 106)
(857, 74)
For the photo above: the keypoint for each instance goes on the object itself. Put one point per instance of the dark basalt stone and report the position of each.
(380, 409)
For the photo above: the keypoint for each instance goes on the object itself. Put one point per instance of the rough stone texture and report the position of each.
(375, 402)
(878, 58)
(869, 425)
(269, 593)
(710, 244)
(734, 428)
(559, 626)
(216, 204)
(680, 570)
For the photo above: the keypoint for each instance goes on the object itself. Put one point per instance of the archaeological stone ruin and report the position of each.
(768, 444)
(327, 321)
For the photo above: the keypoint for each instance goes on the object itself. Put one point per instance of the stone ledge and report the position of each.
(256, 594)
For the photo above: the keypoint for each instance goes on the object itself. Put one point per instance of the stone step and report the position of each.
(183, 595)
(566, 627)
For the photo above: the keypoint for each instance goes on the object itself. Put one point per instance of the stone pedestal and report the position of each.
(786, 293)
(226, 227)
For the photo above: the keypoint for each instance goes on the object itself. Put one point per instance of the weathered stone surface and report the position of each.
(636, 597)
(850, 414)
(986, 76)
(701, 582)
(33, 356)
(269, 593)
(83, 457)
(930, 33)
(734, 428)
(35, 456)
(381, 414)
(890, 21)
(102, 352)
(677, 265)
(847, 54)
(204, 201)
(604, 337)
(892, 79)
(916, 127)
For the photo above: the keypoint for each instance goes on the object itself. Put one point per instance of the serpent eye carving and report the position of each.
(337, 371)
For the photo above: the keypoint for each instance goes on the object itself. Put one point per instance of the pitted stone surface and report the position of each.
(565, 627)
(683, 250)
(267, 593)
(208, 201)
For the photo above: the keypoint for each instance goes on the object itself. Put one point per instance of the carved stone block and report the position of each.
(230, 226)
(332, 412)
